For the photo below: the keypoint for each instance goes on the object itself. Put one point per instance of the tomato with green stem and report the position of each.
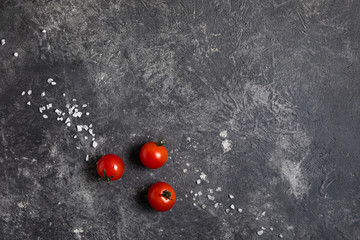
(110, 167)
(161, 196)
(153, 154)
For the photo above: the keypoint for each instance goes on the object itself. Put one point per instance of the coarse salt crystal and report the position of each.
(79, 128)
(50, 80)
(23, 93)
(43, 31)
(263, 228)
(281, 236)
(203, 206)
(85, 137)
(43, 94)
(68, 124)
(260, 232)
(231, 196)
(240, 210)
(271, 229)
(218, 189)
(184, 170)
(195, 194)
(90, 126)
(16, 54)
(77, 147)
(74, 99)
(232, 206)
(216, 205)
(53, 83)
(67, 120)
(94, 144)
(29, 92)
(87, 113)
(45, 116)
(227, 210)
(64, 95)
(198, 181)
(48, 106)
(58, 111)
(28, 103)
(3, 41)
(212, 198)
(87, 158)
(84, 105)
(263, 213)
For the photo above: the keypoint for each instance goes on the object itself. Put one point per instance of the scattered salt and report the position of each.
(187, 164)
(75, 136)
(23, 93)
(212, 198)
(67, 120)
(45, 116)
(94, 144)
(198, 181)
(184, 170)
(68, 124)
(77, 147)
(263, 213)
(85, 137)
(199, 193)
(16, 54)
(227, 210)
(261, 232)
(90, 126)
(3, 41)
(203, 206)
(240, 210)
(216, 205)
(50, 80)
(28, 103)
(218, 189)
(232, 206)
(43, 31)
(263, 228)
(64, 95)
(231, 196)
(87, 113)
(211, 190)
(74, 100)
(53, 83)
(48, 106)
(29, 92)
(281, 236)
(58, 112)
(84, 105)
(43, 94)
(79, 128)
(271, 229)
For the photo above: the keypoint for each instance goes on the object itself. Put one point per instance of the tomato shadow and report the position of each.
(134, 155)
(142, 200)
(90, 168)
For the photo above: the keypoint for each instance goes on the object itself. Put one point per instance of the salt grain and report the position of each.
(85, 137)
(58, 112)
(227, 210)
(198, 181)
(87, 113)
(184, 170)
(23, 93)
(43, 94)
(29, 92)
(216, 205)
(68, 124)
(84, 105)
(45, 116)
(263, 228)
(240, 210)
(43, 31)
(263, 213)
(261, 232)
(74, 100)
(53, 83)
(77, 147)
(28, 103)
(271, 229)
(203, 206)
(94, 144)
(64, 95)
(75, 136)
(218, 189)
(281, 236)
(212, 198)
(231, 196)
(79, 128)
(16, 54)
(232, 206)
(3, 41)
(50, 80)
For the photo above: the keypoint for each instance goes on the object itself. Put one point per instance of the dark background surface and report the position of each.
(260, 98)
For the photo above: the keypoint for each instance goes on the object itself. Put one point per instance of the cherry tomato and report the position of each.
(110, 167)
(153, 155)
(161, 196)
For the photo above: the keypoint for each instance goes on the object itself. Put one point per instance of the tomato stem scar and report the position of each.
(160, 142)
(108, 179)
(166, 194)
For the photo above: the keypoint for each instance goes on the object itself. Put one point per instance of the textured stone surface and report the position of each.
(258, 98)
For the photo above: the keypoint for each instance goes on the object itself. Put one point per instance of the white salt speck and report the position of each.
(85, 137)
(195, 194)
(240, 210)
(43, 94)
(263, 213)
(74, 99)
(91, 132)
(45, 116)
(68, 124)
(203, 206)
(216, 205)
(199, 193)
(231, 196)
(43, 31)
(226, 144)
(94, 144)
(77, 147)
(79, 128)
(48, 106)
(198, 181)
(218, 189)
(53, 83)
(203, 176)
(78, 230)
(84, 105)
(271, 229)
(191, 191)
(28, 103)
(16, 54)
(23, 93)
(188, 139)
(194, 204)
(184, 170)
(261, 232)
(212, 198)
(67, 120)
(64, 95)
(227, 210)
(194, 198)
(75, 136)
(232, 206)
(263, 228)
(186, 195)
(21, 205)
(58, 112)
(29, 92)
(93, 139)
(87, 113)
(90, 126)
(50, 80)
(211, 190)
(3, 41)
(223, 134)
(187, 164)
(281, 236)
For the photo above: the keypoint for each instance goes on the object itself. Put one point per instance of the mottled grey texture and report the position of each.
(280, 77)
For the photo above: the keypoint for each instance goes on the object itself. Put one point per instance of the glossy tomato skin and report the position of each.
(112, 165)
(156, 198)
(152, 155)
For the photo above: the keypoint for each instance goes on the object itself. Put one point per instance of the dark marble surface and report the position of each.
(258, 98)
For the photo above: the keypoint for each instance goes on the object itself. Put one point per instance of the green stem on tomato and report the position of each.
(167, 194)
(108, 179)
(160, 142)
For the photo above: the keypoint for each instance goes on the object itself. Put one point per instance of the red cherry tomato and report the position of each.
(153, 155)
(161, 196)
(110, 167)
